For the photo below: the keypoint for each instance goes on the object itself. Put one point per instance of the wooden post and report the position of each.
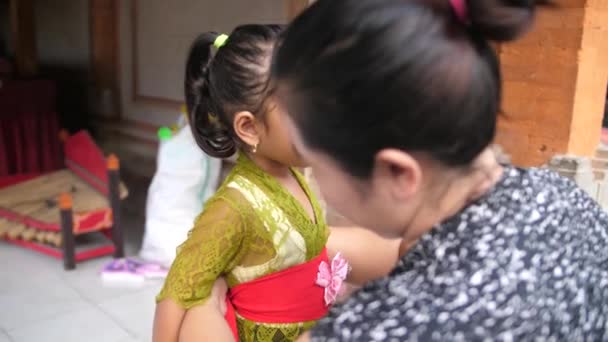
(67, 231)
(23, 32)
(555, 82)
(105, 55)
(114, 194)
(64, 135)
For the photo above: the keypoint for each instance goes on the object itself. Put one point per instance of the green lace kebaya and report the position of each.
(251, 228)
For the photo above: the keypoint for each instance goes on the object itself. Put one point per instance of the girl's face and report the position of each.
(276, 143)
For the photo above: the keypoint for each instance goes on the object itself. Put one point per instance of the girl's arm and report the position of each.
(191, 288)
(370, 256)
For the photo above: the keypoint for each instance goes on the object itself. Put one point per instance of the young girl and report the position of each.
(263, 231)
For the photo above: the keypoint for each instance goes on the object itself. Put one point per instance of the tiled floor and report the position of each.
(40, 302)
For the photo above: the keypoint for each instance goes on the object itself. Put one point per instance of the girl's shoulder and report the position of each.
(231, 200)
(238, 198)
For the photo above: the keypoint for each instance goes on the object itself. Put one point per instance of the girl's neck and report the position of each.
(269, 166)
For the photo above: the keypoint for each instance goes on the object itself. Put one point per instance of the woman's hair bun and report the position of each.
(502, 20)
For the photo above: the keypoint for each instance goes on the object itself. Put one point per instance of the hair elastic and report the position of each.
(220, 41)
(460, 9)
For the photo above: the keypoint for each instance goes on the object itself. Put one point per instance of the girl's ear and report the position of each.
(247, 128)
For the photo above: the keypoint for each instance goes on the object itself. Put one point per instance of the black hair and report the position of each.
(235, 78)
(366, 75)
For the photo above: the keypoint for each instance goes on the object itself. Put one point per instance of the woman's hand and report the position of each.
(206, 322)
(167, 321)
(488, 171)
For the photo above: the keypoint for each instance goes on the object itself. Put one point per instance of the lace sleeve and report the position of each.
(212, 249)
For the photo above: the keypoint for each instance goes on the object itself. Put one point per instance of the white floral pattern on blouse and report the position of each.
(529, 261)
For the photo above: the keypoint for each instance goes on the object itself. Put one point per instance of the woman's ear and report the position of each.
(247, 128)
(398, 173)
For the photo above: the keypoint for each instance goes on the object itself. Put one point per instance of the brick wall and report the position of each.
(555, 83)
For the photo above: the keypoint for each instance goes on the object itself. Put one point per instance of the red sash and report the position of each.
(288, 296)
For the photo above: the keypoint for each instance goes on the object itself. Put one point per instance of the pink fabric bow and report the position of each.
(332, 277)
(460, 9)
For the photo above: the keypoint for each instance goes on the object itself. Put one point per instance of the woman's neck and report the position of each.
(457, 189)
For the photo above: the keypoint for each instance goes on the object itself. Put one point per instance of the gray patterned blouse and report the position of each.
(529, 261)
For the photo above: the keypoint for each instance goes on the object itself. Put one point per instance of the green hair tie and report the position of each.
(220, 41)
(164, 133)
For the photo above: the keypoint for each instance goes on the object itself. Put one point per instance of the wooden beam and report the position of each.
(23, 37)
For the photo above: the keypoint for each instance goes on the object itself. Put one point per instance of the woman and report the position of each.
(394, 103)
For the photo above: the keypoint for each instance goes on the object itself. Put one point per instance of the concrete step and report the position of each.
(143, 133)
(589, 173)
(602, 152)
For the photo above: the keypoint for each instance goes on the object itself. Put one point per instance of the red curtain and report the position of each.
(29, 128)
